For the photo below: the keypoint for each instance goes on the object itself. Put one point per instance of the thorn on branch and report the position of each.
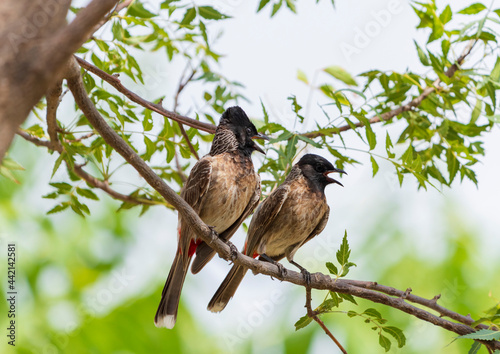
(436, 298)
(405, 294)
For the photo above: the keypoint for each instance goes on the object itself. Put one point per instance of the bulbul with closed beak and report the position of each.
(223, 188)
(292, 215)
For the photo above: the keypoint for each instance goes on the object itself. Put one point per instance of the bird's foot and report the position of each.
(281, 269)
(305, 273)
(214, 235)
(233, 253)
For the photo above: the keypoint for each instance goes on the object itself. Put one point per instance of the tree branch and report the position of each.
(410, 105)
(80, 172)
(318, 280)
(118, 7)
(314, 315)
(158, 108)
(176, 103)
(53, 97)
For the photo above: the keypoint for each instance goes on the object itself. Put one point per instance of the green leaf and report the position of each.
(340, 74)
(57, 164)
(374, 166)
(262, 4)
(189, 16)
(302, 322)
(388, 146)
(422, 56)
(302, 76)
(348, 297)
(62, 186)
(344, 252)
(332, 268)
(474, 348)
(397, 334)
(446, 15)
(335, 298)
(370, 136)
(309, 141)
(58, 208)
(291, 5)
(473, 9)
(137, 9)
(483, 334)
(384, 342)
(87, 193)
(495, 73)
(452, 162)
(476, 111)
(210, 13)
(372, 313)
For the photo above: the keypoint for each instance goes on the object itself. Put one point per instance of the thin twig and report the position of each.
(117, 9)
(176, 103)
(53, 99)
(314, 315)
(410, 105)
(115, 82)
(91, 180)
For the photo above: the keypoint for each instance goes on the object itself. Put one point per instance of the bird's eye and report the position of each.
(249, 131)
(320, 168)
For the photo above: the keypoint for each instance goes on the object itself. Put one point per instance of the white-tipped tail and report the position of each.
(217, 307)
(167, 321)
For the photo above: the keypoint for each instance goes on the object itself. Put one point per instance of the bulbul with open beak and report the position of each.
(292, 215)
(223, 188)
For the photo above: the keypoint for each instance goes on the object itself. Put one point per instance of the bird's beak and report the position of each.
(259, 136)
(331, 180)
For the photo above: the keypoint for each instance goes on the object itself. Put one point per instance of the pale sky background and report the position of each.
(264, 54)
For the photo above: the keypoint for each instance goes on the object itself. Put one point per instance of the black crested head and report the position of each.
(235, 132)
(316, 169)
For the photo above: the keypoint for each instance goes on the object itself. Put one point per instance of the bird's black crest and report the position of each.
(235, 116)
(315, 160)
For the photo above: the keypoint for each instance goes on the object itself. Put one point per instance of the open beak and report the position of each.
(331, 180)
(259, 136)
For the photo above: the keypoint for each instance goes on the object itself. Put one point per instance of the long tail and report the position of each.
(204, 253)
(166, 314)
(227, 289)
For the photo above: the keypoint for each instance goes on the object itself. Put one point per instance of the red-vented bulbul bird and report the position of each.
(292, 215)
(223, 188)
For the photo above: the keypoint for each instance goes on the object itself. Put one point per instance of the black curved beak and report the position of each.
(259, 136)
(331, 180)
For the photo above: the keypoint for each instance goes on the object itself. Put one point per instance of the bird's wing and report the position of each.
(320, 227)
(193, 192)
(317, 230)
(264, 216)
(197, 184)
(254, 201)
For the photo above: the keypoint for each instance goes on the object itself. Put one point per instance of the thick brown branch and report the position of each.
(67, 41)
(318, 280)
(314, 315)
(115, 82)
